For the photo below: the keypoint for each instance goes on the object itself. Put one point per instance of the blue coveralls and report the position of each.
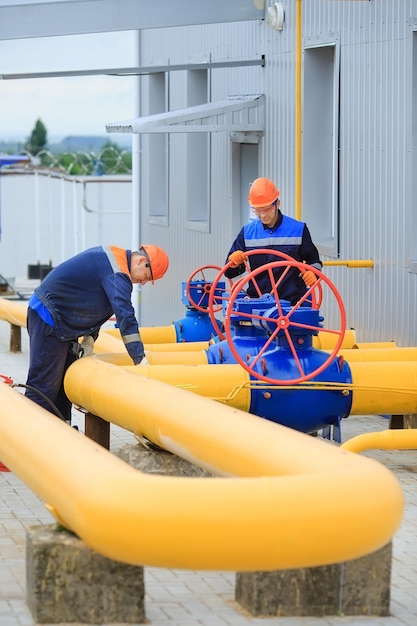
(74, 300)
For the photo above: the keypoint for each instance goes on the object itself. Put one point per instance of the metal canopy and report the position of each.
(24, 19)
(136, 71)
(234, 114)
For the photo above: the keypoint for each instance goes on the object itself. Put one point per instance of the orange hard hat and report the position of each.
(262, 193)
(158, 260)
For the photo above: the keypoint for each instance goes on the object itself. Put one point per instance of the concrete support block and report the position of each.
(67, 582)
(410, 420)
(358, 587)
(151, 461)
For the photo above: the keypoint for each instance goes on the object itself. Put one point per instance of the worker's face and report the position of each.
(267, 214)
(139, 270)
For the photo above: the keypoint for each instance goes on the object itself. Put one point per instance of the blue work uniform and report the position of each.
(74, 300)
(289, 236)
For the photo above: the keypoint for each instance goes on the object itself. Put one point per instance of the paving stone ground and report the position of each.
(195, 598)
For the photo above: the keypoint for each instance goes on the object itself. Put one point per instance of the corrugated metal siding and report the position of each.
(375, 150)
(190, 249)
(375, 153)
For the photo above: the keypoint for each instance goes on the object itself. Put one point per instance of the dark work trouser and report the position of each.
(49, 359)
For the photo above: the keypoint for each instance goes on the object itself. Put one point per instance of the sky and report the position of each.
(66, 106)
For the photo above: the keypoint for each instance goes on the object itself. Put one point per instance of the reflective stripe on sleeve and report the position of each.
(131, 338)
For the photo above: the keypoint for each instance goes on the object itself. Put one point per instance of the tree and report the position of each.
(38, 138)
(114, 160)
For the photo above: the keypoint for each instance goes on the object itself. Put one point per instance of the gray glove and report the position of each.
(144, 361)
(86, 346)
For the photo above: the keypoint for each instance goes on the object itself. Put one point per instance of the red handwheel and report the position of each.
(202, 275)
(315, 293)
(283, 321)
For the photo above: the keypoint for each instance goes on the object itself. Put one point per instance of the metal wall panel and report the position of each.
(375, 149)
(61, 217)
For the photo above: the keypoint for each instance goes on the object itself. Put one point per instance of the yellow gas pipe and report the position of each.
(352, 263)
(195, 357)
(151, 334)
(158, 338)
(109, 341)
(237, 524)
(105, 502)
(368, 355)
(395, 439)
(13, 312)
(377, 387)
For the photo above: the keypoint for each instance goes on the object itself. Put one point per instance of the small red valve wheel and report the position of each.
(202, 274)
(314, 293)
(283, 322)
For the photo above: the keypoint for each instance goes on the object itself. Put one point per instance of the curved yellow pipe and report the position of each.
(396, 439)
(106, 343)
(274, 518)
(280, 505)
(13, 312)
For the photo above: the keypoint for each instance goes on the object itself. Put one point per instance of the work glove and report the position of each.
(86, 346)
(309, 278)
(144, 361)
(237, 258)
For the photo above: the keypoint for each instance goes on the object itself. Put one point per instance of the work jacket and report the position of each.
(86, 290)
(289, 236)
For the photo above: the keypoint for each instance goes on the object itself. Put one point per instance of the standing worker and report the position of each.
(274, 231)
(74, 300)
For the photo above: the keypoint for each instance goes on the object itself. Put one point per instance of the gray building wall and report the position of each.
(371, 175)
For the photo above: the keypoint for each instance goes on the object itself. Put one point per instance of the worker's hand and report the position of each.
(86, 346)
(144, 361)
(309, 278)
(237, 258)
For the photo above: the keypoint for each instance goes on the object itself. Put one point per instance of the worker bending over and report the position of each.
(74, 300)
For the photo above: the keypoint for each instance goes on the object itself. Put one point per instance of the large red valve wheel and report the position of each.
(283, 323)
(315, 292)
(202, 274)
